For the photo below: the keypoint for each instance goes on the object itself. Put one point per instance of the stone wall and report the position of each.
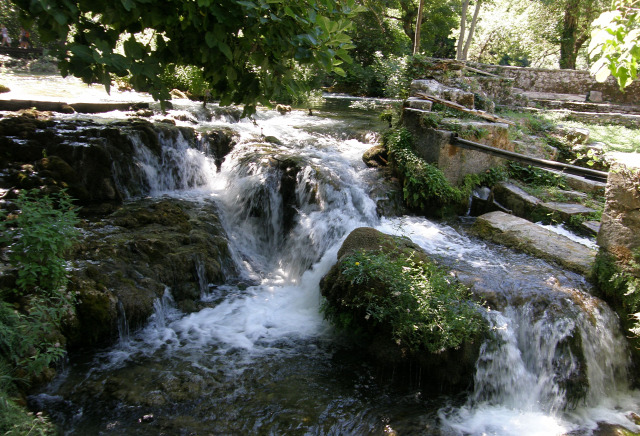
(578, 82)
(621, 217)
(434, 145)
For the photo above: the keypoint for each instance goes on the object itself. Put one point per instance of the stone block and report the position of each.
(515, 199)
(595, 96)
(436, 89)
(620, 224)
(519, 233)
(434, 145)
(418, 103)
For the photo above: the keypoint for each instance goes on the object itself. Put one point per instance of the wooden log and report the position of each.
(454, 105)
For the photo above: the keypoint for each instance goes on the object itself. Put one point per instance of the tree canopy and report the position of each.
(247, 50)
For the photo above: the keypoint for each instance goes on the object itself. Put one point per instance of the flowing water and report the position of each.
(260, 359)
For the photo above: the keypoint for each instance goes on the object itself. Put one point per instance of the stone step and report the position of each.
(514, 199)
(515, 232)
(589, 107)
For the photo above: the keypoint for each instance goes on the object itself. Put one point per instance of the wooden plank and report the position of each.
(454, 105)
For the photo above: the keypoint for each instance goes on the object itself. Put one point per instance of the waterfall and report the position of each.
(539, 369)
(257, 356)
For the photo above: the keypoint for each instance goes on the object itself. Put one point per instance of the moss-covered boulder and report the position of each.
(405, 310)
(127, 260)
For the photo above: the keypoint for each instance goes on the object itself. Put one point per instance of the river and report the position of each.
(260, 359)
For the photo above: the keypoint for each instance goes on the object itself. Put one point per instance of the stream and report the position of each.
(260, 359)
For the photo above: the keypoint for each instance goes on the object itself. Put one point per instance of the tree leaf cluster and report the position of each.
(615, 43)
(247, 50)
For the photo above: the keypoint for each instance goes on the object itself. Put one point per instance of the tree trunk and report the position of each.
(463, 25)
(472, 28)
(570, 29)
(416, 42)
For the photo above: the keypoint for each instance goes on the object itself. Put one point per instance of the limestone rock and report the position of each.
(436, 89)
(619, 232)
(519, 233)
(130, 257)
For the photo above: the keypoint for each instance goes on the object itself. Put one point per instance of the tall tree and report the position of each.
(575, 27)
(416, 39)
(464, 40)
(246, 49)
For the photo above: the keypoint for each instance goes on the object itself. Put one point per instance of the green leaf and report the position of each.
(224, 48)
(128, 4)
(210, 40)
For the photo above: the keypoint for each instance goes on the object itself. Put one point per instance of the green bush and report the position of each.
(38, 237)
(620, 288)
(32, 312)
(424, 306)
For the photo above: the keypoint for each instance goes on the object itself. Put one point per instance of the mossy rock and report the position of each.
(447, 370)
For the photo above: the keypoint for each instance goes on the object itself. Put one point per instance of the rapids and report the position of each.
(260, 359)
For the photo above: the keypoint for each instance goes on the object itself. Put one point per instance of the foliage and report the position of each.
(536, 177)
(424, 185)
(246, 49)
(40, 234)
(15, 421)
(620, 287)
(425, 307)
(32, 313)
(615, 43)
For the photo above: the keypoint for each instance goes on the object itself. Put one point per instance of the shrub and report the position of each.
(424, 185)
(33, 311)
(424, 307)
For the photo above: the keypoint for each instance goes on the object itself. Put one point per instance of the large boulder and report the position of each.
(127, 260)
(445, 369)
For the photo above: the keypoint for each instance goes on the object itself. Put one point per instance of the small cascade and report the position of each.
(544, 364)
(164, 311)
(123, 324)
(201, 275)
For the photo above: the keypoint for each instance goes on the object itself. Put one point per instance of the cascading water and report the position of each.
(259, 359)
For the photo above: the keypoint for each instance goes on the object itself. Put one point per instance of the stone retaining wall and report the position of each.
(578, 82)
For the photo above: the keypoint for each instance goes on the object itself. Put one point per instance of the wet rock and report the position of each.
(519, 233)
(376, 157)
(449, 369)
(130, 257)
(219, 144)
